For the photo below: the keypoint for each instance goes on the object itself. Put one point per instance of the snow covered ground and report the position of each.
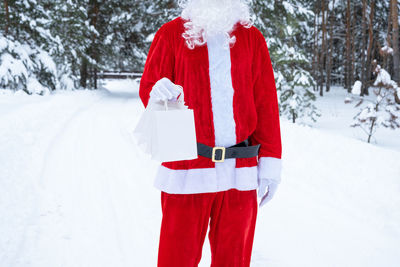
(76, 191)
(337, 117)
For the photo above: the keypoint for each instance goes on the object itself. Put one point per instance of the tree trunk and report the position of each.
(95, 78)
(371, 129)
(363, 46)
(353, 47)
(386, 59)
(330, 50)
(368, 66)
(322, 60)
(315, 49)
(94, 48)
(395, 40)
(347, 65)
(84, 73)
(7, 26)
(293, 116)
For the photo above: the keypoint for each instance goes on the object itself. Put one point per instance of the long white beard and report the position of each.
(207, 18)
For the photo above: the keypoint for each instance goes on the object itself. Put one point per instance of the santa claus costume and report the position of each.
(223, 65)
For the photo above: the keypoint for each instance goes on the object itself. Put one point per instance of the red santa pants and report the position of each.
(232, 216)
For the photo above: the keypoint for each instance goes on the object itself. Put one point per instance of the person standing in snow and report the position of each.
(223, 65)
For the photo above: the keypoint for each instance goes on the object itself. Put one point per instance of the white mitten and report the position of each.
(164, 90)
(269, 177)
(266, 190)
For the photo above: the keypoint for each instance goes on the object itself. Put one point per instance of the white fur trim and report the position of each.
(223, 177)
(270, 168)
(221, 91)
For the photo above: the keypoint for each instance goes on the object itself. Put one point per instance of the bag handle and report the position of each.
(179, 100)
(180, 97)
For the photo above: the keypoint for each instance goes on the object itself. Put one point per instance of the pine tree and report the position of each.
(120, 33)
(28, 49)
(382, 111)
(129, 28)
(284, 24)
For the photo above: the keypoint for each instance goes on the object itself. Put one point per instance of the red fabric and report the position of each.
(255, 104)
(185, 221)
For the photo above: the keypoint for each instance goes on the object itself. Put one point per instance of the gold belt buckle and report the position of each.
(222, 156)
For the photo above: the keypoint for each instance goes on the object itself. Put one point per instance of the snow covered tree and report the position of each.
(64, 44)
(129, 28)
(296, 96)
(151, 16)
(28, 48)
(71, 24)
(381, 111)
(284, 25)
(119, 35)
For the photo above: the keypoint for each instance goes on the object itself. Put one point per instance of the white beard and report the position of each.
(207, 18)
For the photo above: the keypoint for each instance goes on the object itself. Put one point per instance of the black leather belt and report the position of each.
(220, 153)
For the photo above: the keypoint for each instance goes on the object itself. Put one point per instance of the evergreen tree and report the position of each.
(28, 49)
(120, 33)
(382, 111)
(284, 24)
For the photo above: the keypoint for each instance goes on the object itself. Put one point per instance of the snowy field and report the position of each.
(75, 191)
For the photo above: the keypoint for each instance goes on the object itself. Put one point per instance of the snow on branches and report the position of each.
(381, 111)
(296, 95)
(32, 55)
(22, 65)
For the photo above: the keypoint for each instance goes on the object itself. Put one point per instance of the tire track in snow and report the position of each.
(34, 117)
(87, 127)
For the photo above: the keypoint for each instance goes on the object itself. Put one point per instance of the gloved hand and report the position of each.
(266, 190)
(164, 90)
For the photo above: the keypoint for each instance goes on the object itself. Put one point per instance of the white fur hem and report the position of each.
(205, 180)
(270, 168)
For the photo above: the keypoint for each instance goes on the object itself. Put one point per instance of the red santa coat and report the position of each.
(255, 105)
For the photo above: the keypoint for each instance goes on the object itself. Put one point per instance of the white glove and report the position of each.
(164, 90)
(266, 190)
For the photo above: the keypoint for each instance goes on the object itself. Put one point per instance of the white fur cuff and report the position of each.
(270, 168)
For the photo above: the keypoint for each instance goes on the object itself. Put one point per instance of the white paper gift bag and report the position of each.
(142, 131)
(166, 130)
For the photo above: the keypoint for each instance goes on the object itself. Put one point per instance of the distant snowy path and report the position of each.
(75, 191)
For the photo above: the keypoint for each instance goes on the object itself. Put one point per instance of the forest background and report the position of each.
(48, 45)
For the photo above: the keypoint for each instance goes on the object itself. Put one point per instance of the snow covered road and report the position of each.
(76, 191)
